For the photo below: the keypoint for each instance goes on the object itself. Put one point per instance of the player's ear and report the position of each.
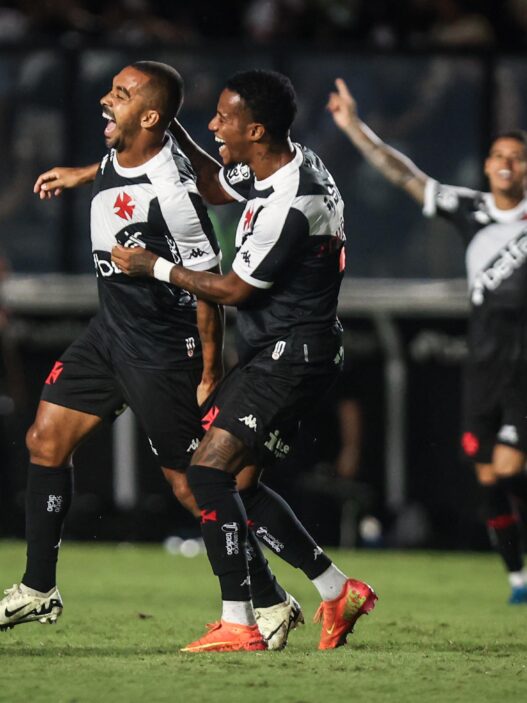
(256, 131)
(150, 119)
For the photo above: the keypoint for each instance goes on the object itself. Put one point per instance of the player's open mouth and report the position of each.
(505, 173)
(223, 147)
(110, 127)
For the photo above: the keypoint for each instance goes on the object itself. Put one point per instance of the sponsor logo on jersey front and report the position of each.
(250, 421)
(104, 267)
(509, 259)
(124, 206)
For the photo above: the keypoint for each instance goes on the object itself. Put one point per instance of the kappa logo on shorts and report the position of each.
(250, 421)
(55, 372)
(193, 445)
(509, 434)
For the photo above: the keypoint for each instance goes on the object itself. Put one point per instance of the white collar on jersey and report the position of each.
(282, 172)
(505, 216)
(162, 155)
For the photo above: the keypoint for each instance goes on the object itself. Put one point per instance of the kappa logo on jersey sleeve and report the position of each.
(124, 206)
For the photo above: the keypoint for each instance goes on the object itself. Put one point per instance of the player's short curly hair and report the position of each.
(270, 97)
(520, 135)
(165, 87)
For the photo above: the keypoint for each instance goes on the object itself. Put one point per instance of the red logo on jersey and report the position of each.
(208, 516)
(55, 373)
(470, 443)
(208, 419)
(248, 219)
(123, 206)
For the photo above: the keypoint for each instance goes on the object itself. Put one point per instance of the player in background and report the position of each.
(493, 227)
(151, 346)
(284, 282)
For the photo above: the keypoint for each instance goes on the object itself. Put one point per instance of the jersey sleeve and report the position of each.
(453, 203)
(270, 246)
(237, 181)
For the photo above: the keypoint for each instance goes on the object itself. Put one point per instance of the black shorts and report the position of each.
(263, 402)
(90, 379)
(494, 409)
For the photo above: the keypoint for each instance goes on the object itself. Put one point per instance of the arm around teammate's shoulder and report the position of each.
(394, 166)
(207, 169)
(53, 182)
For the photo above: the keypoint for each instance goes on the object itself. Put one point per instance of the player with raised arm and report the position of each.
(494, 231)
(284, 283)
(151, 346)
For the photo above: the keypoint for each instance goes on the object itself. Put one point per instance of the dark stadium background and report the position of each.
(435, 79)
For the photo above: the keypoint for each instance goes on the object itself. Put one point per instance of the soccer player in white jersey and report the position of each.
(284, 282)
(151, 346)
(493, 226)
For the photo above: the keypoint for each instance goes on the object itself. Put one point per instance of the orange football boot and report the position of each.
(225, 636)
(340, 614)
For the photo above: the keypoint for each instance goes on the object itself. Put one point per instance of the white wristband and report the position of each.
(162, 269)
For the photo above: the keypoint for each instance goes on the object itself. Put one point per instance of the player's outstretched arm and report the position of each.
(53, 182)
(207, 169)
(210, 318)
(228, 289)
(393, 165)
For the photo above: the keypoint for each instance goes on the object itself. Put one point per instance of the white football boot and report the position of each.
(23, 604)
(276, 622)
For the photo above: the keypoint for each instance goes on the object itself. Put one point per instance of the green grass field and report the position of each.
(441, 632)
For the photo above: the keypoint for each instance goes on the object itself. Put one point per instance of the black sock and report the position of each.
(224, 529)
(48, 498)
(265, 589)
(515, 485)
(276, 525)
(503, 527)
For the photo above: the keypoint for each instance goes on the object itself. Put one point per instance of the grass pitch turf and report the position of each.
(441, 632)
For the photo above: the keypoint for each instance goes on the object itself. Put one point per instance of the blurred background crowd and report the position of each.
(360, 23)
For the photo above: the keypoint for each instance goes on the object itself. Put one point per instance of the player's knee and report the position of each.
(180, 488)
(44, 445)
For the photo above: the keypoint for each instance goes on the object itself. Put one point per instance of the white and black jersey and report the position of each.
(155, 205)
(496, 263)
(290, 246)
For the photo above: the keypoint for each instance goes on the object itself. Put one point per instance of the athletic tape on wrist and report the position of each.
(162, 269)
